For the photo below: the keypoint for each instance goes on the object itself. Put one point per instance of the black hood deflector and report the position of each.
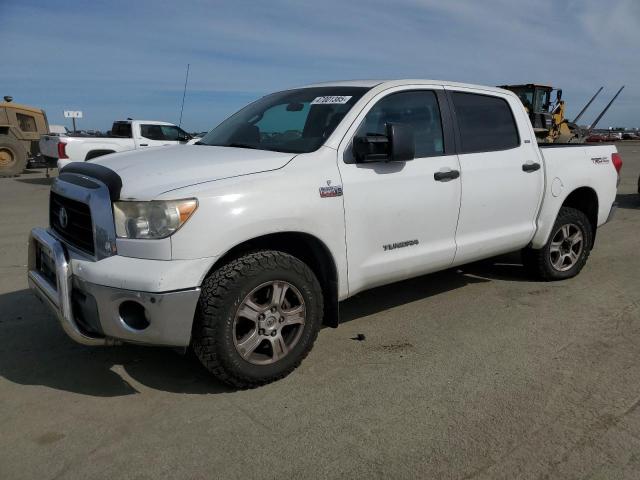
(98, 172)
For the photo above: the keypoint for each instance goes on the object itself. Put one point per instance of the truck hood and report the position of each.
(148, 173)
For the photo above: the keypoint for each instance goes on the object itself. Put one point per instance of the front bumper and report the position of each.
(93, 314)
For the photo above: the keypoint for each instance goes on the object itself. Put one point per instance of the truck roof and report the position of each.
(400, 82)
(148, 122)
(20, 107)
(527, 85)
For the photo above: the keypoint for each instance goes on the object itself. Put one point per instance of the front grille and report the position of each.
(78, 230)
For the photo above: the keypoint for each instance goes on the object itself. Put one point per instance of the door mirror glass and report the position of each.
(398, 145)
(402, 142)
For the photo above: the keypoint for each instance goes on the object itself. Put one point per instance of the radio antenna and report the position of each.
(184, 93)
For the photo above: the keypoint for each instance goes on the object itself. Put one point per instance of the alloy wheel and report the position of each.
(566, 247)
(269, 322)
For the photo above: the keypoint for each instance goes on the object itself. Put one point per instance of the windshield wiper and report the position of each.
(242, 145)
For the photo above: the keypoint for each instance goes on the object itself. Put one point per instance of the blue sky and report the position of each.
(116, 59)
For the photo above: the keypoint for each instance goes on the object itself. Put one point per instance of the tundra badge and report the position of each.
(406, 243)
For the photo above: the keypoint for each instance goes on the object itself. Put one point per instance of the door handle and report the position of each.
(144, 144)
(530, 167)
(446, 176)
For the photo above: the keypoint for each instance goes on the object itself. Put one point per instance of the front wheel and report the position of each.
(13, 157)
(257, 318)
(567, 249)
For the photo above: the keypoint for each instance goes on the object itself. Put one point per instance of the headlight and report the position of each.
(154, 219)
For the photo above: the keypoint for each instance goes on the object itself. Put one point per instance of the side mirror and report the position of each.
(403, 144)
(398, 145)
(559, 95)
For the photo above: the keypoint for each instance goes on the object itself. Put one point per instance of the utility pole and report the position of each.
(184, 93)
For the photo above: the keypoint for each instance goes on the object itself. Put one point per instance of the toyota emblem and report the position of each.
(63, 218)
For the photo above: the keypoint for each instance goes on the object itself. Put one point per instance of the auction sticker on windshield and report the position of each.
(331, 100)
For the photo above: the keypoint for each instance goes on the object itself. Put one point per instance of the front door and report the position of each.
(400, 220)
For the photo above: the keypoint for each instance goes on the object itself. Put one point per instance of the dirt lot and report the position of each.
(471, 373)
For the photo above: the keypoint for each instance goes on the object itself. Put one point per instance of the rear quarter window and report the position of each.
(121, 129)
(485, 122)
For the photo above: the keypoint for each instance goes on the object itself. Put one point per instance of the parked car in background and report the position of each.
(20, 130)
(242, 245)
(597, 138)
(125, 135)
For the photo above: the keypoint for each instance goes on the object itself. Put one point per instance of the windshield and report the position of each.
(526, 96)
(294, 121)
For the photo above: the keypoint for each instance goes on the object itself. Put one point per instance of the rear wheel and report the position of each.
(13, 157)
(257, 318)
(567, 249)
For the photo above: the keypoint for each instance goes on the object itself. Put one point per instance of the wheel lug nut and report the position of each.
(281, 319)
(274, 333)
(261, 316)
(261, 332)
(273, 309)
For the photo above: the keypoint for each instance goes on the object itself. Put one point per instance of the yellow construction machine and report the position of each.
(548, 117)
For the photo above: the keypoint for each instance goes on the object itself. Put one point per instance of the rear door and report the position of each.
(502, 178)
(401, 221)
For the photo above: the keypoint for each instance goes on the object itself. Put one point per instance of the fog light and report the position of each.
(133, 314)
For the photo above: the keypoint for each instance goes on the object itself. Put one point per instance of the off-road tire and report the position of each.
(222, 293)
(13, 157)
(538, 261)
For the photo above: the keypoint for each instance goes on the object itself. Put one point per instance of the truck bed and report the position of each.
(564, 145)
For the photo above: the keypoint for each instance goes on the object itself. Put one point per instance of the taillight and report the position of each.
(62, 150)
(616, 159)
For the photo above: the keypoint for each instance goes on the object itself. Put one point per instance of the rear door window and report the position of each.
(486, 123)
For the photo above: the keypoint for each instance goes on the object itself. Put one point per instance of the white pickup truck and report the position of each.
(125, 135)
(242, 245)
